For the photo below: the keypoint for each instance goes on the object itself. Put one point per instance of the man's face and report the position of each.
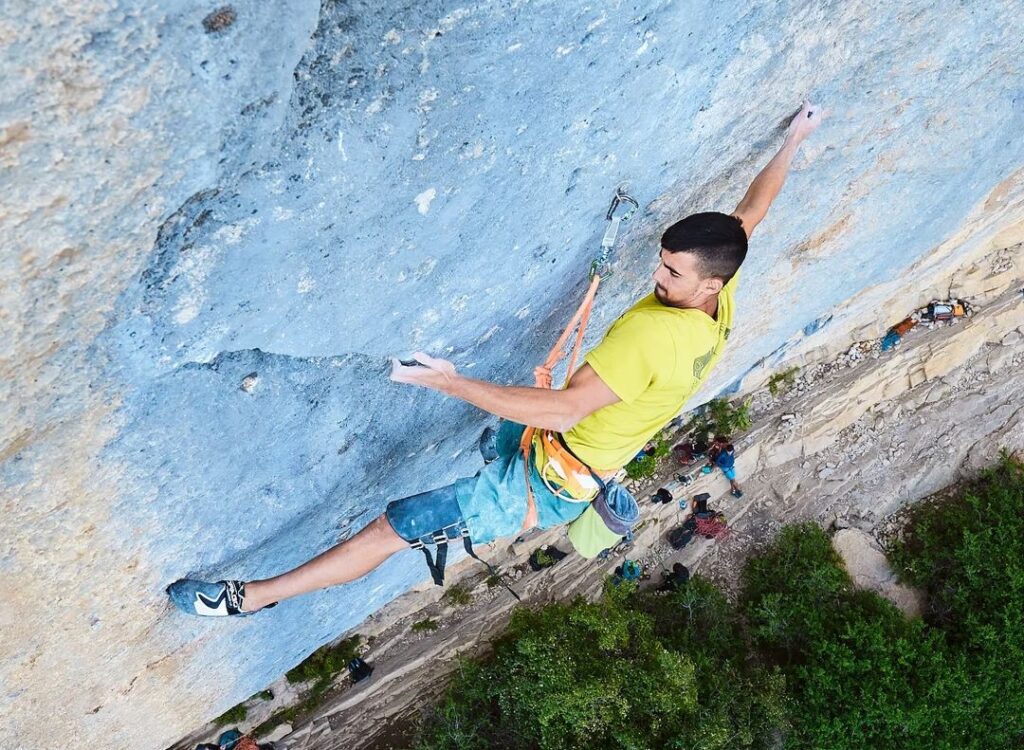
(678, 283)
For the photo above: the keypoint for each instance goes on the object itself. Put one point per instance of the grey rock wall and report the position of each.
(283, 196)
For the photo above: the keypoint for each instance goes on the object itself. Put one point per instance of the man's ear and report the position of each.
(712, 285)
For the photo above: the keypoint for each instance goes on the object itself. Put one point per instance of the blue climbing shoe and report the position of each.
(220, 599)
(737, 493)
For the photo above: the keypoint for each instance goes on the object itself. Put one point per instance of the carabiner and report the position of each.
(620, 197)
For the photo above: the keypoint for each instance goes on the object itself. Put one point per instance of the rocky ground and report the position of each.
(887, 451)
(848, 444)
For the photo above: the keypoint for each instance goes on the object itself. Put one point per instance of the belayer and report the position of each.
(651, 360)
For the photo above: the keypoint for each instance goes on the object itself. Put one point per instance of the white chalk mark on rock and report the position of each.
(648, 38)
(424, 199)
(341, 146)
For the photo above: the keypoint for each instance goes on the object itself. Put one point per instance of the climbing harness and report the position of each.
(569, 471)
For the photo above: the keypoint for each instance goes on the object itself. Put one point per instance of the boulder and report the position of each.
(868, 567)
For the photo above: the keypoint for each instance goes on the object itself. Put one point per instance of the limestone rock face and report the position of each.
(219, 220)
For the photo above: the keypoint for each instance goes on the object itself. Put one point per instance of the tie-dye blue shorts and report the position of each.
(491, 505)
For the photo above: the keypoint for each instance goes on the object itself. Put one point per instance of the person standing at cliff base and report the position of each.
(723, 455)
(653, 358)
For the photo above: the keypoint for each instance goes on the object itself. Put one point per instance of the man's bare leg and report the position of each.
(342, 563)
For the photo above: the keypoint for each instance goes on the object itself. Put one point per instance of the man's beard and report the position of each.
(661, 294)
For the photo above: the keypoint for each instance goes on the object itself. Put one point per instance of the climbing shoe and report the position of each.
(737, 493)
(220, 599)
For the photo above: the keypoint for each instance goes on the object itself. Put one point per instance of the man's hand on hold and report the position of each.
(431, 372)
(806, 122)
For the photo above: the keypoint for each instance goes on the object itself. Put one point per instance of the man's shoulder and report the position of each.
(646, 324)
(652, 318)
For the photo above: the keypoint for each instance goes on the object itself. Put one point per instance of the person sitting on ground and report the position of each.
(651, 361)
(676, 578)
(723, 455)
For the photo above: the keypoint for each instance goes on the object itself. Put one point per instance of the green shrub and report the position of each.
(319, 668)
(719, 417)
(284, 716)
(323, 664)
(597, 676)
(860, 674)
(804, 660)
(967, 552)
(234, 715)
(645, 466)
(458, 595)
(642, 468)
(542, 559)
(739, 697)
(782, 381)
(425, 626)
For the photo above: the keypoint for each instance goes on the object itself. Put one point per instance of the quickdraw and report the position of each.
(602, 263)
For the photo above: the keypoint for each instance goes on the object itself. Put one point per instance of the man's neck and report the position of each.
(711, 307)
(708, 307)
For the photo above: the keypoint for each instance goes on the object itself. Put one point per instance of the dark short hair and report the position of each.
(716, 240)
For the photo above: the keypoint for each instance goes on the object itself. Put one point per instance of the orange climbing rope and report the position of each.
(542, 374)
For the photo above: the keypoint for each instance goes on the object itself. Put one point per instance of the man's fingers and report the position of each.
(422, 369)
(423, 358)
(806, 120)
(435, 363)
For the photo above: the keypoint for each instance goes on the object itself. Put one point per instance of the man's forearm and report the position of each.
(537, 407)
(766, 186)
(768, 183)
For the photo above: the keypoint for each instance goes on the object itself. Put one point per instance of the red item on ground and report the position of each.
(904, 326)
(714, 527)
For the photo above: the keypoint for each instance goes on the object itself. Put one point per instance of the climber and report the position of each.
(722, 454)
(651, 360)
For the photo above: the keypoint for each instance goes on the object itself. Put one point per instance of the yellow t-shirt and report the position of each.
(654, 357)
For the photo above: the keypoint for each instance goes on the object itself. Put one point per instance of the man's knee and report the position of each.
(384, 534)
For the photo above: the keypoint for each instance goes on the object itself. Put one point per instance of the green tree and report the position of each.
(967, 552)
(613, 674)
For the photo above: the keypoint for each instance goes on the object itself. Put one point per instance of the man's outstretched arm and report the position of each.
(545, 408)
(762, 191)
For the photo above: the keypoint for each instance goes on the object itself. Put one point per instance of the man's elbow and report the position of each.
(748, 219)
(565, 423)
(572, 416)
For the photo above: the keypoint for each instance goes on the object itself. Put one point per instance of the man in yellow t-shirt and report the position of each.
(652, 359)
